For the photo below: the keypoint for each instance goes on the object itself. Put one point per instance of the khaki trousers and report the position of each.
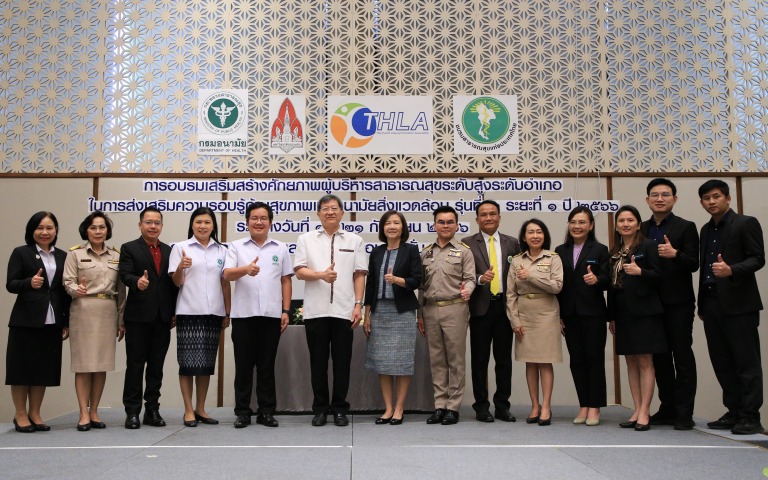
(446, 329)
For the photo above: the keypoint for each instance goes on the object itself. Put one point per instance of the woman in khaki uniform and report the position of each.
(534, 280)
(96, 315)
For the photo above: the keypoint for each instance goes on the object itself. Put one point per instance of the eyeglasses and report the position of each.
(446, 222)
(662, 195)
(259, 219)
(95, 228)
(330, 210)
(150, 223)
(580, 223)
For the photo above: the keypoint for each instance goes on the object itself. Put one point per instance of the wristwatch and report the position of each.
(286, 311)
(359, 302)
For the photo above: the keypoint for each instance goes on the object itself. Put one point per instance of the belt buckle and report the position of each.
(530, 295)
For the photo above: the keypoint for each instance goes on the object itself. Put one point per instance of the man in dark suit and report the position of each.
(149, 318)
(488, 323)
(678, 245)
(732, 250)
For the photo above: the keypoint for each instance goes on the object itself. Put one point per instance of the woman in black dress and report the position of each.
(38, 322)
(635, 310)
(583, 311)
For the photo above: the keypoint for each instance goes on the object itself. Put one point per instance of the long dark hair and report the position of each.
(591, 235)
(209, 212)
(617, 240)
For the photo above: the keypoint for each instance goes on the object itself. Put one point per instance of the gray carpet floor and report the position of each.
(414, 450)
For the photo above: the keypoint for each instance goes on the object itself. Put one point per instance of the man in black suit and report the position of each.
(678, 244)
(732, 250)
(488, 323)
(149, 318)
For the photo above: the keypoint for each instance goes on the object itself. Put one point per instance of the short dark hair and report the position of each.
(523, 244)
(83, 229)
(150, 209)
(253, 206)
(660, 181)
(34, 221)
(710, 185)
(204, 211)
(328, 199)
(573, 213)
(445, 209)
(405, 233)
(617, 236)
(487, 202)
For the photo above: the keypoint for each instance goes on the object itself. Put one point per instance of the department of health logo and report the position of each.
(353, 125)
(223, 113)
(485, 120)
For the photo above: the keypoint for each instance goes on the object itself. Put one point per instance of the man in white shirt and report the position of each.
(333, 264)
(261, 269)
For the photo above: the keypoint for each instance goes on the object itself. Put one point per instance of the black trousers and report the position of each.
(676, 369)
(145, 345)
(734, 348)
(492, 329)
(329, 336)
(585, 338)
(254, 343)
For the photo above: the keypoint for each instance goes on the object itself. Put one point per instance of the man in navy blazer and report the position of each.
(149, 318)
(488, 323)
(678, 244)
(732, 250)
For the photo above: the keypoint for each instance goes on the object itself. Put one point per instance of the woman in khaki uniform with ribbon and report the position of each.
(534, 280)
(96, 315)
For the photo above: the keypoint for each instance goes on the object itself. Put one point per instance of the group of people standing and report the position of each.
(502, 289)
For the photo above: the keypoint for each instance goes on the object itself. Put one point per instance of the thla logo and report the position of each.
(222, 113)
(353, 125)
(287, 132)
(485, 120)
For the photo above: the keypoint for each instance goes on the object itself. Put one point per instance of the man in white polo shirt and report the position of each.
(261, 269)
(333, 264)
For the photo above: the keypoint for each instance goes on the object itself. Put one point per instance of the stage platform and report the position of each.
(414, 450)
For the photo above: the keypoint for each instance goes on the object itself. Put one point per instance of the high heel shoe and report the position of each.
(580, 420)
(629, 424)
(382, 421)
(40, 427)
(28, 429)
(592, 422)
(545, 422)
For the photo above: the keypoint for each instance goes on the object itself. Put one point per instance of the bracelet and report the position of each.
(286, 311)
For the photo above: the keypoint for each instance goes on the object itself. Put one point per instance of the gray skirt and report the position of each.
(392, 344)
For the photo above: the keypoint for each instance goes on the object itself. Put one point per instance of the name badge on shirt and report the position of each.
(346, 250)
(275, 260)
(85, 259)
(454, 253)
(640, 257)
(591, 261)
(543, 267)
(113, 261)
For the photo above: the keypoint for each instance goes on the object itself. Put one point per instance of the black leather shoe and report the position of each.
(242, 421)
(532, 419)
(642, 427)
(545, 422)
(190, 423)
(40, 427)
(747, 427)
(484, 416)
(629, 424)
(662, 418)
(451, 417)
(340, 420)
(504, 415)
(726, 422)
(84, 427)
(206, 420)
(153, 418)
(319, 420)
(382, 421)
(397, 421)
(132, 421)
(98, 425)
(436, 417)
(28, 429)
(267, 420)
(683, 423)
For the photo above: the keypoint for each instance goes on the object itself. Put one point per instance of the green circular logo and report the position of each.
(223, 113)
(485, 120)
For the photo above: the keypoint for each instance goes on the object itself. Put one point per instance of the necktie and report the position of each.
(496, 282)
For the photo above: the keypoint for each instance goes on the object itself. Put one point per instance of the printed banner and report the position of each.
(222, 122)
(386, 125)
(287, 121)
(485, 125)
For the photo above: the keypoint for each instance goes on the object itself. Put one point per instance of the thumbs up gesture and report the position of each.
(185, 262)
(488, 276)
(721, 269)
(590, 278)
(38, 280)
(81, 290)
(632, 268)
(464, 292)
(388, 277)
(143, 282)
(329, 274)
(253, 267)
(666, 250)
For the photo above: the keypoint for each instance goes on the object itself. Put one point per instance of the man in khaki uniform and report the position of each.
(449, 279)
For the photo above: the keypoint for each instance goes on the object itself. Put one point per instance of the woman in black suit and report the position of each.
(38, 322)
(635, 310)
(394, 272)
(583, 312)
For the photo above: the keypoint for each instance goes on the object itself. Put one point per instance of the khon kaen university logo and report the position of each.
(353, 125)
(223, 113)
(485, 124)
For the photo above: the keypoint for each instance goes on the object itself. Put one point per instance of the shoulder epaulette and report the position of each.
(114, 249)
(518, 255)
(464, 245)
(552, 252)
(76, 247)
